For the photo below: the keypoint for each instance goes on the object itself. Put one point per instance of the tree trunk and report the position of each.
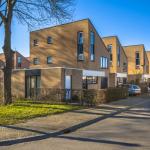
(8, 66)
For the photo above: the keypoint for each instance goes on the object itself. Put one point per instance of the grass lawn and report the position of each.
(20, 111)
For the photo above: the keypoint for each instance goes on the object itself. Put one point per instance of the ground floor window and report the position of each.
(121, 81)
(89, 80)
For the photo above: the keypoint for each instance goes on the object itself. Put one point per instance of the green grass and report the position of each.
(20, 111)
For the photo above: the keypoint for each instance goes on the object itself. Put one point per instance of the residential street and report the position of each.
(121, 125)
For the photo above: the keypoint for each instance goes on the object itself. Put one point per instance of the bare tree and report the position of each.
(30, 12)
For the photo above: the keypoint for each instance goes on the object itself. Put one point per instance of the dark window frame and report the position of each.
(80, 46)
(19, 61)
(90, 80)
(36, 60)
(49, 40)
(104, 83)
(137, 59)
(104, 62)
(110, 47)
(119, 56)
(92, 46)
(48, 60)
(35, 42)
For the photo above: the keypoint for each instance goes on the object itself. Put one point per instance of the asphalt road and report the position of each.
(125, 128)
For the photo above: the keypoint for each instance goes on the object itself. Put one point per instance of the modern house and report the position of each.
(118, 61)
(19, 61)
(67, 56)
(138, 63)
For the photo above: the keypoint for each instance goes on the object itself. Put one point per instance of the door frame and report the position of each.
(70, 92)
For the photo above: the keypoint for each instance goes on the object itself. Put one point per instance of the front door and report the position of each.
(68, 87)
(104, 83)
(32, 86)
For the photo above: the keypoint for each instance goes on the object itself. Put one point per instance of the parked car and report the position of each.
(134, 89)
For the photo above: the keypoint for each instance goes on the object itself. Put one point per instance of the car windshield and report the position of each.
(135, 87)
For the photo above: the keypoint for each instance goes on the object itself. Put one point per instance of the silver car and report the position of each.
(134, 89)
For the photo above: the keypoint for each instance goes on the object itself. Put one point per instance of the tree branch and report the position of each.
(1, 5)
(2, 17)
(1, 22)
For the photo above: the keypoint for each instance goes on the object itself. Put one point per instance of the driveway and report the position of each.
(124, 124)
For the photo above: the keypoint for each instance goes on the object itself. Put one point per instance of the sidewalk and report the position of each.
(59, 122)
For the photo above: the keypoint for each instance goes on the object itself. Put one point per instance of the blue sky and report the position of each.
(128, 19)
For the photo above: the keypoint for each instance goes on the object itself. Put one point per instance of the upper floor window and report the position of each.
(119, 55)
(36, 61)
(124, 67)
(92, 46)
(109, 47)
(49, 40)
(80, 51)
(19, 61)
(35, 42)
(49, 60)
(103, 62)
(137, 58)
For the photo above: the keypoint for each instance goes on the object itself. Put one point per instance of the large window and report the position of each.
(80, 50)
(36, 61)
(118, 55)
(103, 62)
(92, 46)
(109, 47)
(137, 58)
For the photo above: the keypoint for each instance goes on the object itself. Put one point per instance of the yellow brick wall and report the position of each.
(130, 52)
(114, 41)
(18, 83)
(64, 47)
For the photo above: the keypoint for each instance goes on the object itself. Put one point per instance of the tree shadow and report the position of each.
(131, 117)
(22, 129)
(100, 141)
(58, 133)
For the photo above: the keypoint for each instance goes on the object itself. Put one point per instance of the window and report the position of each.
(137, 58)
(19, 61)
(92, 80)
(118, 55)
(36, 61)
(49, 60)
(80, 50)
(109, 47)
(35, 42)
(92, 46)
(49, 40)
(124, 67)
(103, 62)
(89, 80)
